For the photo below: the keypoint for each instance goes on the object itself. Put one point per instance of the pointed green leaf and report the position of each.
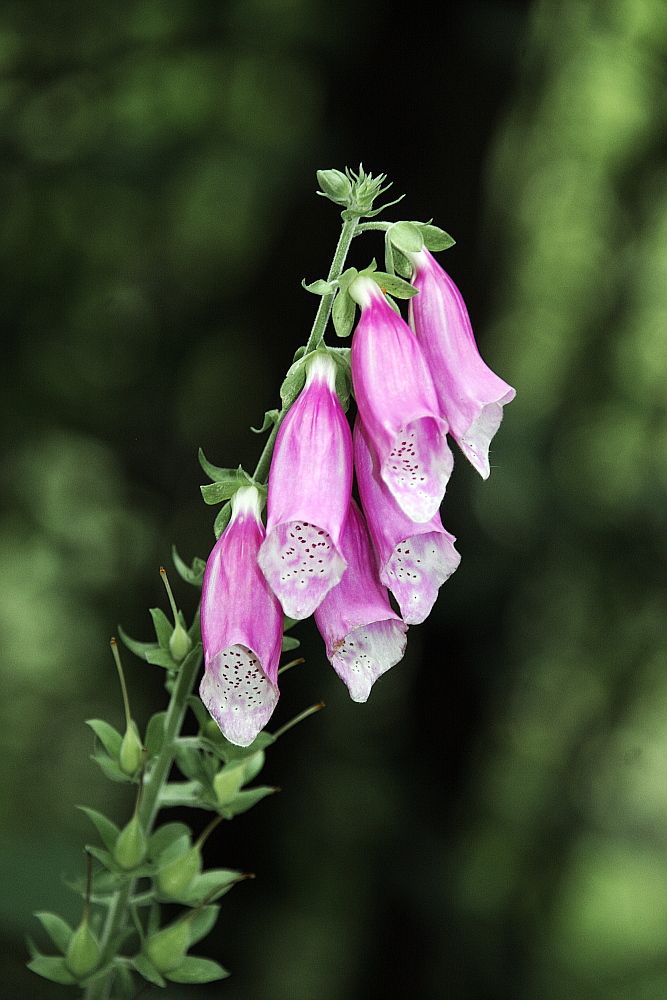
(319, 287)
(52, 967)
(394, 285)
(217, 492)
(222, 520)
(161, 658)
(107, 735)
(402, 265)
(104, 857)
(202, 923)
(270, 418)
(214, 472)
(204, 885)
(166, 835)
(58, 929)
(293, 382)
(232, 753)
(289, 642)
(435, 238)
(107, 830)
(246, 799)
(163, 627)
(407, 237)
(147, 969)
(193, 574)
(190, 763)
(289, 623)
(347, 277)
(182, 793)
(197, 970)
(110, 767)
(155, 734)
(141, 649)
(342, 314)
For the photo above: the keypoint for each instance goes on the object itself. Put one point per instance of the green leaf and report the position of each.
(140, 649)
(52, 967)
(104, 857)
(293, 382)
(58, 929)
(246, 799)
(197, 970)
(435, 238)
(189, 762)
(110, 767)
(194, 574)
(107, 830)
(347, 277)
(343, 314)
(214, 472)
(289, 642)
(163, 627)
(289, 623)
(182, 793)
(394, 285)
(165, 836)
(202, 923)
(155, 734)
(161, 658)
(107, 735)
(407, 237)
(402, 265)
(204, 884)
(217, 492)
(147, 969)
(222, 520)
(231, 753)
(319, 287)
(270, 418)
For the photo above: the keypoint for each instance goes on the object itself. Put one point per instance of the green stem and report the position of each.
(347, 234)
(148, 810)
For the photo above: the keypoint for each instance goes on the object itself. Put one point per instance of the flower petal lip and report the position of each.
(310, 485)
(414, 559)
(398, 404)
(364, 636)
(470, 395)
(242, 627)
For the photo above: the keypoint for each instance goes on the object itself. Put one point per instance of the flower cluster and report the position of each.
(320, 553)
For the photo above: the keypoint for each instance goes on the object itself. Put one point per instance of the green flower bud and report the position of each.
(166, 949)
(83, 952)
(335, 185)
(174, 880)
(180, 642)
(130, 750)
(227, 782)
(130, 849)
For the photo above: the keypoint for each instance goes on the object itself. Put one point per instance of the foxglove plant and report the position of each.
(414, 559)
(364, 637)
(315, 556)
(470, 395)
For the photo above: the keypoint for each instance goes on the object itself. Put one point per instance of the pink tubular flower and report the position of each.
(471, 396)
(398, 405)
(364, 637)
(310, 483)
(242, 627)
(415, 559)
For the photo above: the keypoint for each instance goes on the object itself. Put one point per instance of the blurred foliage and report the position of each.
(494, 822)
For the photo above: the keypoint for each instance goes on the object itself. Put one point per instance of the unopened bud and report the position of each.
(335, 185)
(130, 849)
(83, 952)
(180, 642)
(131, 750)
(166, 949)
(174, 880)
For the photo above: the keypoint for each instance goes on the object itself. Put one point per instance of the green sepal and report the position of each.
(104, 884)
(104, 857)
(230, 752)
(293, 382)
(107, 830)
(58, 929)
(161, 658)
(227, 783)
(206, 883)
(319, 287)
(146, 969)
(164, 838)
(336, 185)
(163, 627)
(109, 737)
(111, 769)
(394, 305)
(222, 520)
(214, 493)
(197, 970)
(140, 649)
(407, 237)
(166, 948)
(199, 710)
(182, 793)
(155, 734)
(194, 574)
(270, 418)
(376, 211)
(194, 766)
(343, 312)
(175, 876)
(289, 623)
(289, 642)
(214, 472)
(253, 766)
(245, 800)
(52, 967)
(394, 285)
(435, 238)
(402, 265)
(202, 923)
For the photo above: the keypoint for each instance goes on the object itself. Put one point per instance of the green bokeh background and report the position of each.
(493, 823)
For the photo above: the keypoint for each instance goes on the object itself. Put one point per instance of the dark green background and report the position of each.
(493, 823)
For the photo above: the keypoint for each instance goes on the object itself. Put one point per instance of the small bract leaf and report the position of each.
(140, 649)
(165, 836)
(401, 264)
(319, 287)
(217, 492)
(146, 969)
(155, 734)
(110, 768)
(107, 830)
(210, 885)
(161, 658)
(163, 627)
(246, 799)
(182, 793)
(197, 970)
(436, 238)
(58, 929)
(407, 237)
(166, 949)
(289, 642)
(222, 520)
(293, 382)
(193, 574)
(270, 418)
(214, 472)
(108, 736)
(52, 967)
(202, 923)
(394, 285)
(343, 314)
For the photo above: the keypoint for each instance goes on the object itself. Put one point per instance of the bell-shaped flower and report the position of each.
(414, 559)
(470, 395)
(364, 637)
(310, 483)
(242, 627)
(398, 405)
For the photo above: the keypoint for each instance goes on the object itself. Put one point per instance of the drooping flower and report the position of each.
(398, 405)
(414, 559)
(242, 627)
(364, 637)
(470, 395)
(310, 483)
